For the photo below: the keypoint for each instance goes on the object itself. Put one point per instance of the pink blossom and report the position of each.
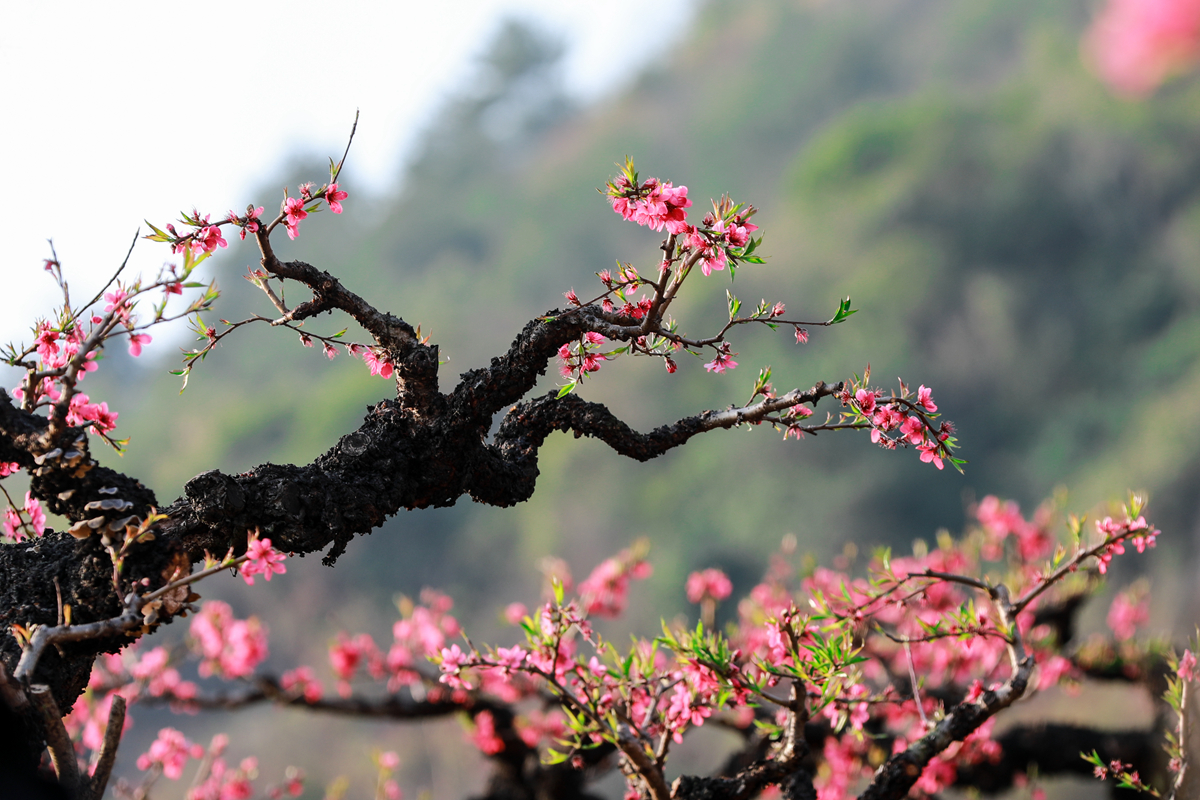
(302, 681)
(801, 336)
(293, 209)
(37, 517)
(1187, 666)
(379, 364)
(262, 559)
(12, 525)
(662, 207)
(228, 647)
(171, 751)
(484, 735)
(1137, 44)
(82, 411)
(8, 468)
(925, 398)
(334, 196)
(117, 303)
(251, 224)
(722, 362)
(46, 342)
(866, 400)
(511, 657)
(913, 429)
(136, 341)
(208, 239)
(1126, 613)
(930, 452)
(1053, 670)
(453, 659)
(604, 591)
(346, 654)
(515, 612)
(711, 583)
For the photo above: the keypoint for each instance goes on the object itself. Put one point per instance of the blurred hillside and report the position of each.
(1014, 236)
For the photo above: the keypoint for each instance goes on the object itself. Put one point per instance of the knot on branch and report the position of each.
(214, 496)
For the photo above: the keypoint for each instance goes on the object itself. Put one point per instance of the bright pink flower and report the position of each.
(866, 400)
(801, 336)
(913, 429)
(925, 398)
(46, 341)
(721, 363)
(117, 302)
(12, 525)
(293, 208)
(1137, 44)
(334, 196)
(37, 517)
(263, 559)
(81, 411)
(929, 452)
(8, 468)
(136, 341)
(208, 239)
(711, 583)
(378, 363)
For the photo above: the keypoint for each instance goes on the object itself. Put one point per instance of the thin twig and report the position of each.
(912, 676)
(62, 751)
(95, 786)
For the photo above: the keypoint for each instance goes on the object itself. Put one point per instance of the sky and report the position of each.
(115, 113)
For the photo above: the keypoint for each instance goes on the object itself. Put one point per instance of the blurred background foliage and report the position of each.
(1015, 236)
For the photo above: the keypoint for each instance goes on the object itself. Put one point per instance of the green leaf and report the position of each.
(734, 304)
(566, 390)
(844, 311)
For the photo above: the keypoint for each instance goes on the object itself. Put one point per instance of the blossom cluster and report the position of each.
(723, 234)
(842, 638)
(16, 528)
(901, 420)
(829, 646)
(201, 235)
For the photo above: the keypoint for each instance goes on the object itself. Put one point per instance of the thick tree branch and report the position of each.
(509, 476)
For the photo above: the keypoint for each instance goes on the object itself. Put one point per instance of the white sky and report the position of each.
(112, 113)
